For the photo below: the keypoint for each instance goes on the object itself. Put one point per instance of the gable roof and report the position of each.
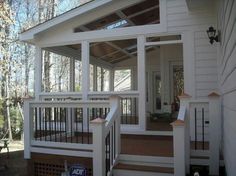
(80, 11)
(29, 34)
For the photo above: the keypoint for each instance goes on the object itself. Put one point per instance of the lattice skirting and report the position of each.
(53, 165)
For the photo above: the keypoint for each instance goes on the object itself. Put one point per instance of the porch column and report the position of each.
(70, 113)
(112, 76)
(94, 78)
(85, 77)
(141, 82)
(189, 64)
(72, 75)
(38, 72)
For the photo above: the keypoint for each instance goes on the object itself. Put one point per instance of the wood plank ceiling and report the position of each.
(146, 12)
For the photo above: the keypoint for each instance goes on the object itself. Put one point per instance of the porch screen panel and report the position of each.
(56, 70)
(122, 81)
(78, 75)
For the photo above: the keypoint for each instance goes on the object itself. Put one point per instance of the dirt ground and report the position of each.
(14, 164)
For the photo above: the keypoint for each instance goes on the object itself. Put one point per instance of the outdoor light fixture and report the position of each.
(211, 32)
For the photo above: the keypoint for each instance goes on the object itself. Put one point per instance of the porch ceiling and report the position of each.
(112, 52)
(145, 12)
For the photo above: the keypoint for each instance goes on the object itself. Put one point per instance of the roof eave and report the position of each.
(29, 35)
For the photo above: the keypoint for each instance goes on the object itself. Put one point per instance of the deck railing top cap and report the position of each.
(98, 121)
(178, 122)
(27, 98)
(213, 94)
(184, 95)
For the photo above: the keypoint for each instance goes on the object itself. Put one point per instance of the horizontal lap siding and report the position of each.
(179, 19)
(227, 75)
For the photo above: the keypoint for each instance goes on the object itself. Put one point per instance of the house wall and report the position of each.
(203, 55)
(227, 80)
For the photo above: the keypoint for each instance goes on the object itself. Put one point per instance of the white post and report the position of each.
(115, 101)
(72, 75)
(184, 101)
(69, 123)
(112, 76)
(71, 113)
(215, 133)
(189, 62)
(98, 126)
(102, 79)
(179, 147)
(27, 131)
(38, 72)
(94, 78)
(85, 77)
(141, 82)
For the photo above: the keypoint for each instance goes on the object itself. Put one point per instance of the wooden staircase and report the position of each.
(147, 155)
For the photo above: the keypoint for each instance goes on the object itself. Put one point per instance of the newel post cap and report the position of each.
(178, 122)
(184, 95)
(98, 121)
(214, 95)
(27, 97)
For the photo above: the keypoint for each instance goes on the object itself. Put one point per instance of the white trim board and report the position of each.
(61, 152)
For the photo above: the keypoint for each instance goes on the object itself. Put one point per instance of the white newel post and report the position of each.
(85, 77)
(27, 129)
(184, 101)
(98, 126)
(141, 82)
(181, 139)
(115, 101)
(215, 133)
(179, 147)
(38, 72)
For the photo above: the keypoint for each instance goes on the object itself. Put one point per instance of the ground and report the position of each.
(15, 163)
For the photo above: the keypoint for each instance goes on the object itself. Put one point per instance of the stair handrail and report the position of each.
(106, 154)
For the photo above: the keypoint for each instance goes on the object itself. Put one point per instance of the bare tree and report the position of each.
(6, 21)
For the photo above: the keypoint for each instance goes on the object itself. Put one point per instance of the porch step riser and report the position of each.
(146, 160)
(121, 172)
(203, 162)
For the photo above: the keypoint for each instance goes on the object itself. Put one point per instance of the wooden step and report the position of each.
(147, 145)
(129, 169)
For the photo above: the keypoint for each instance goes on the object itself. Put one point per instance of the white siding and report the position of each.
(180, 19)
(227, 76)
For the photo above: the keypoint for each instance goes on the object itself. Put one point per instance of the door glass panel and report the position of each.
(178, 79)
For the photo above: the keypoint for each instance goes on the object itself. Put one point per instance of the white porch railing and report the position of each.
(197, 132)
(52, 127)
(129, 102)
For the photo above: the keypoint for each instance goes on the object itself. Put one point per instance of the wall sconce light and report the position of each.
(211, 32)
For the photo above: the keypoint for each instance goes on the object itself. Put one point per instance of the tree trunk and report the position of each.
(8, 106)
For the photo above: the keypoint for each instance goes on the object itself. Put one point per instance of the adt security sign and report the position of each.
(78, 170)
